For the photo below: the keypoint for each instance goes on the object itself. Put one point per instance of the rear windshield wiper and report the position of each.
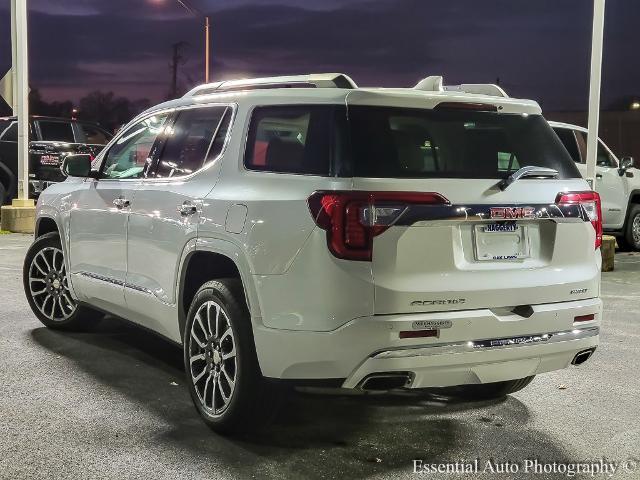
(527, 172)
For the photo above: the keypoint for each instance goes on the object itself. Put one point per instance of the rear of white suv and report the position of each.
(324, 234)
(424, 271)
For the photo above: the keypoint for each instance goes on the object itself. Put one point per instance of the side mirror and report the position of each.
(77, 165)
(627, 163)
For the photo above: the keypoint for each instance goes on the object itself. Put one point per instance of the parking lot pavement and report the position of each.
(111, 403)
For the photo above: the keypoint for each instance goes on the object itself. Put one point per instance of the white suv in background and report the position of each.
(617, 182)
(305, 231)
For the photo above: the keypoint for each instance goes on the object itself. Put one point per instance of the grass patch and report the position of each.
(4, 232)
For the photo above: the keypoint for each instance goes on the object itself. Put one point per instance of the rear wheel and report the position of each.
(46, 286)
(487, 391)
(223, 374)
(632, 230)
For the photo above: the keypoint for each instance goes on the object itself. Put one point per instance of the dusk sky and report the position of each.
(539, 49)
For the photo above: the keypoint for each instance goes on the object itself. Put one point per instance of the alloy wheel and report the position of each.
(635, 230)
(212, 358)
(49, 286)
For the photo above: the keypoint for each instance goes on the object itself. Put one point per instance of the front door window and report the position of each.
(131, 154)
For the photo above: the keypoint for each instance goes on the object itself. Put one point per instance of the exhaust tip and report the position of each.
(583, 356)
(381, 382)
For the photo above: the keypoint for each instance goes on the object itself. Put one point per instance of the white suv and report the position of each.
(617, 182)
(302, 230)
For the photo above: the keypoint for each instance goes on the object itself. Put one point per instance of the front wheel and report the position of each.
(632, 230)
(46, 286)
(223, 374)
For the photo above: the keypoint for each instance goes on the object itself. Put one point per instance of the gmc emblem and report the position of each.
(509, 213)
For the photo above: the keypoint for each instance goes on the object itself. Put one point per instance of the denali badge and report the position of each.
(509, 213)
(448, 301)
(431, 324)
(578, 291)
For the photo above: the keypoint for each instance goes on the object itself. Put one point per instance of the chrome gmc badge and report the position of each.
(510, 213)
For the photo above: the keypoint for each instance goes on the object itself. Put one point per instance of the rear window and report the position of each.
(56, 131)
(418, 143)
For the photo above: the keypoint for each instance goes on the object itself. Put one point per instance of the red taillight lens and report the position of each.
(590, 202)
(352, 218)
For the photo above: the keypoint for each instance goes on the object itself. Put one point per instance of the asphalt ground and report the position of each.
(112, 403)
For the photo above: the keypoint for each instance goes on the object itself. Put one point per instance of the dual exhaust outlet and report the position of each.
(384, 381)
(583, 356)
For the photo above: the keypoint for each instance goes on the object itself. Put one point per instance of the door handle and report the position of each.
(187, 208)
(598, 175)
(121, 203)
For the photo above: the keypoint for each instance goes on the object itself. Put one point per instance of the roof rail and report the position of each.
(317, 80)
(435, 84)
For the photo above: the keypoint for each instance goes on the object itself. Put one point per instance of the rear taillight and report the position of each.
(352, 218)
(590, 202)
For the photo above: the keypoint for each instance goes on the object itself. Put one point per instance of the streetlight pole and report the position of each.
(207, 39)
(594, 90)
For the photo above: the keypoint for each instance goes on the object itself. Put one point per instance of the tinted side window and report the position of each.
(604, 158)
(132, 152)
(582, 145)
(94, 135)
(190, 141)
(568, 139)
(56, 131)
(9, 132)
(291, 139)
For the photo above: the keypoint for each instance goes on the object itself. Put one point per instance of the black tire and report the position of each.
(488, 391)
(632, 228)
(252, 401)
(49, 273)
(3, 194)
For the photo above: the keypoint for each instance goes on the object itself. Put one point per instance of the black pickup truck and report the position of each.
(51, 139)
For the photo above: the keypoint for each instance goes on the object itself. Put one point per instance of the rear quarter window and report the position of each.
(291, 139)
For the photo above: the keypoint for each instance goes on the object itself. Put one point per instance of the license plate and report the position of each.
(505, 241)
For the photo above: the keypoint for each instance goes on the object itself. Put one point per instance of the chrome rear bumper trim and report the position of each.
(489, 344)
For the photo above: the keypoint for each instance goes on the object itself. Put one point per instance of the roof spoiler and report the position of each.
(318, 80)
(435, 84)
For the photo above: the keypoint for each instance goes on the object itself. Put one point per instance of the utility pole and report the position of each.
(176, 61)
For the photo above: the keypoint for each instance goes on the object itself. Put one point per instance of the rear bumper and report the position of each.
(480, 346)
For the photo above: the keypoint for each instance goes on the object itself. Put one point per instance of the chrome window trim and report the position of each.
(170, 111)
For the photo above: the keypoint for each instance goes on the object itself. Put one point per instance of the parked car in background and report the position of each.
(617, 182)
(51, 140)
(304, 231)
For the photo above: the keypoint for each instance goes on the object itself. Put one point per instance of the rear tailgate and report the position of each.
(438, 258)
(480, 246)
